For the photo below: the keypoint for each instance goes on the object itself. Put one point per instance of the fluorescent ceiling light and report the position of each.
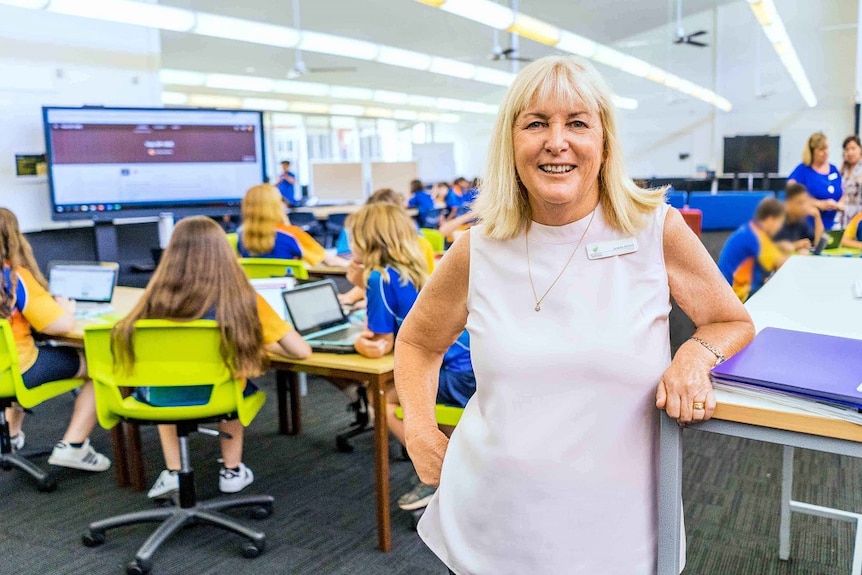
(636, 67)
(492, 76)
(301, 88)
(214, 101)
(481, 11)
(128, 12)
(246, 83)
(449, 118)
(245, 30)
(450, 104)
(346, 110)
(625, 103)
(454, 68)
(405, 115)
(337, 46)
(403, 58)
(610, 57)
(174, 99)
(387, 97)
(31, 4)
(535, 30)
(576, 44)
(268, 104)
(182, 77)
(422, 101)
(378, 112)
(350, 93)
(308, 108)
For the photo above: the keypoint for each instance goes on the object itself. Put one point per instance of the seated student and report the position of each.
(388, 264)
(439, 193)
(266, 231)
(198, 277)
(26, 303)
(797, 234)
(420, 199)
(749, 255)
(852, 237)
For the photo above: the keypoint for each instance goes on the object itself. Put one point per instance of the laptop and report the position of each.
(90, 284)
(315, 312)
(833, 239)
(270, 289)
(805, 365)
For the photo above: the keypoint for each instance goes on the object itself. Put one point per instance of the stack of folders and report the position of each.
(820, 374)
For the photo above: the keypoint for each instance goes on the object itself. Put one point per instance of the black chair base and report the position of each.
(342, 440)
(360, 426)
(44, 480)
(173, 519)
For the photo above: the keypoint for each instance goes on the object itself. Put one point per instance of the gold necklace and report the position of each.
(538, 299)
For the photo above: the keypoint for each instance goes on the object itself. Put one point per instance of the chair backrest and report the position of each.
(304, 220)
(431, 218)
(444, 414)
(260, 268)
(336, 220)
(167, 354)
(438, 242)
(11, 383)
(233, 240)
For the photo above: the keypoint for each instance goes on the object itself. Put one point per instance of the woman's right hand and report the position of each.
(67, 304)
(427, 447)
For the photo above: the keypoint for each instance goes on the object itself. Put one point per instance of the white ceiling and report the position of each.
(410, 25)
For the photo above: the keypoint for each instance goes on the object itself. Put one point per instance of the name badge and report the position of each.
(833, 176)
(831, 189)
(612, 248)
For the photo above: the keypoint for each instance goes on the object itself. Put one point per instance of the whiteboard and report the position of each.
(436, 162)
(340, 181)
(395, 175)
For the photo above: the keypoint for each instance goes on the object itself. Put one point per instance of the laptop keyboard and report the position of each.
(340, 335)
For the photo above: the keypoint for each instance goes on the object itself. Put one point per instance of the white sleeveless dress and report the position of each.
(553, 467)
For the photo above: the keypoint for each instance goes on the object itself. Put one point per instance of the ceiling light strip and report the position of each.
(495, 15)
(773, 27)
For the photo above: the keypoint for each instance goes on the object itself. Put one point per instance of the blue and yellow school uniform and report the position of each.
(291, 243)
(274, 328)
(343, 248)
(34, 308)
(453, 200)
(747, 259)
(821, 187)
(422, 201)
(389, 301)
(853, 231)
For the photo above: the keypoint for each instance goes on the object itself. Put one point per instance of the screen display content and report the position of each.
(105, 163)
(751, 155)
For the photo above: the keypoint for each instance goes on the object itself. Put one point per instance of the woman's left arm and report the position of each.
(721, 320)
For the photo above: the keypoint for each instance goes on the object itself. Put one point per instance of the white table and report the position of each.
(807, 294)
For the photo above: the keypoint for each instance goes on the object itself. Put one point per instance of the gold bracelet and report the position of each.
(719, 357)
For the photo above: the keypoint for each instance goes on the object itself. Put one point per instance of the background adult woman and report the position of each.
(565, 290)
(822, 179)
(851, 178)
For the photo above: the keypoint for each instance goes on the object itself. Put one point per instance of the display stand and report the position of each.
(107, 248)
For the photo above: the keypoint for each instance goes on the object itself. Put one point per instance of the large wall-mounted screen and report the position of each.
(107, 163)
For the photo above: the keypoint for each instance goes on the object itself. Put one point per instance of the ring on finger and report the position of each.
(697, 406)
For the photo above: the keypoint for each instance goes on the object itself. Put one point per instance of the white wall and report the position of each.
(50, 59)
(470, 139)
(765, 100)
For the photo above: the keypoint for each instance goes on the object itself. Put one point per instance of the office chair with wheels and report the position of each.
(13, 390)
(358, 427)
(261, 268)
(172, 354)
(430, 219)
(334, 225)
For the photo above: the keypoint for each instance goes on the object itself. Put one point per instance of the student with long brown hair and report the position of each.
(26, 303)
(199, 278)
(266, 231)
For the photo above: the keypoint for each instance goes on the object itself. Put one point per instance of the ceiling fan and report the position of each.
(299, 67)
(681, 36)
(499, 54)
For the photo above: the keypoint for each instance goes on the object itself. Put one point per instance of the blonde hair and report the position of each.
(15, 250)
(816, 141)
(385, 236)
(386, 196)
(502, 205)
(197, 274)
(262, 211)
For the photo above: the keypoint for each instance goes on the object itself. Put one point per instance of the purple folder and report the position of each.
(810, 365)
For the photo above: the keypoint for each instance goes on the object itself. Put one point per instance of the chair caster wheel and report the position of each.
(251, 550)
(261, 512)
(137, 568)
(46, 485)
(92, 539)
(342, 445)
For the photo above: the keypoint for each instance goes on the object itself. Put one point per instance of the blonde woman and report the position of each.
(266, 231)
(565, 289)
(822, 179)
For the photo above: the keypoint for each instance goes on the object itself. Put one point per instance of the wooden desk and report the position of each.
(842, 253)
(807, 294)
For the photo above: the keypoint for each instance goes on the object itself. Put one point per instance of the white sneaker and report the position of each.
(84, 457)
(234, 481)
(18, 441)
(166, 485)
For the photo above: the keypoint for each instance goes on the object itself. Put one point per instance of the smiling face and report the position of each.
(852, 153)
(558, 148)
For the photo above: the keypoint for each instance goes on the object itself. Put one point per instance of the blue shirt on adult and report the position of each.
(821, 187)
(389, 302)
(287, 189)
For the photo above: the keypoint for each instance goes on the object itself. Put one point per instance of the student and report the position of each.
(420, 199)
(749, 255)
(797, 234)
(439, 193)
(852, 237)
(266, 232)
(286, 184)
(26, 303)
(388, 264)
(199, 278)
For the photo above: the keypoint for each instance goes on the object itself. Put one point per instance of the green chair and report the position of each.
(173, 354)
(12, 390)
(257, 268)
(437, 240)
(445, 414)
(233, 240)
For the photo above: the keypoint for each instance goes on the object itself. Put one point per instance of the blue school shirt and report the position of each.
(747, 259)
(467, 199)
(286, 247)
(422, 201)
(287, 189)
(390, 302)
(453, 200)
(821, 187)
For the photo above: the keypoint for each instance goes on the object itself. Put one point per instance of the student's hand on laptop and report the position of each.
(367, 345)
(803, 244)
(66, 303)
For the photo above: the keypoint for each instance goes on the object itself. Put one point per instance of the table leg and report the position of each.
(295, 404)
(121, 465)
(281, 391)
(137, 472)
(381, 464)
(786, 497)
(669, 497)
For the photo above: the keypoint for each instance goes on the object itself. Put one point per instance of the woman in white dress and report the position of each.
(851, 178)
(565, 289)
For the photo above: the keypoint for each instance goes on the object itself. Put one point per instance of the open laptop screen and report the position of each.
(93, 283)
(313, 307)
